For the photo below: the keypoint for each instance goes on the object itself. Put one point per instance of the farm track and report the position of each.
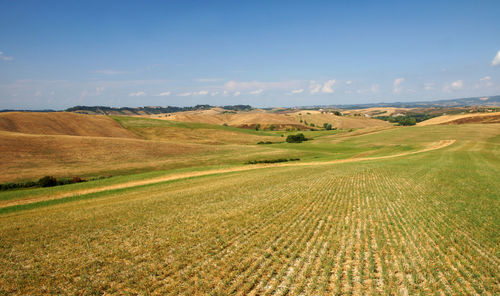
(439, 145)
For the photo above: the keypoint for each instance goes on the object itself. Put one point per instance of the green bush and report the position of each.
(298, 138)
(47, 181)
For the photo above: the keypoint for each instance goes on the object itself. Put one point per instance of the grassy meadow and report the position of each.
(416, 224)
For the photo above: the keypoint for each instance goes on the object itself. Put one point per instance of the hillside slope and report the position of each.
(493, 117)
(62, 123)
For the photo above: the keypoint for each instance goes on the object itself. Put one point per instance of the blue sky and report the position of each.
(57, 54)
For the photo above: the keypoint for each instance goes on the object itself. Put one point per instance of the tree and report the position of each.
(406, 121)
(298, 138)
(272, 127)
(327, 126)
(47, 181)
(257, 126)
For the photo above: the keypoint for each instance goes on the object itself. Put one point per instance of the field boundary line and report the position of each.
(439, 145)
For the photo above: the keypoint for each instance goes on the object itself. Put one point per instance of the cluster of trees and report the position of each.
(400, 120)
(298, 138)
(47, 181)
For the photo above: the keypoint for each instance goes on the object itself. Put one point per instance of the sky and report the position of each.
(58, 54)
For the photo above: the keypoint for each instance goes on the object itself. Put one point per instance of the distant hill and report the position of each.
(149, 110)
(463, 102)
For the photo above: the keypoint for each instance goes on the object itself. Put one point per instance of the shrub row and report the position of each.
(272, 160)
(47, 181)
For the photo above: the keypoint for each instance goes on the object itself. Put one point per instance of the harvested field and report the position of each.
(417, 224)
(493, 117)
(62, 123)
(279, 120)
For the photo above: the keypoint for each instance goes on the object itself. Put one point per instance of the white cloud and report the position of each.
(485, 81)
(256, 92)
(200, 93)
(225, 93)
(137, 94)
(457, 84)
(496, 60)
(4, 57)
(184, 94)
(428, 86)
(314, 87)
(348, 82)
(236, 93)
(109, 72)
(328, 87)
(99, 90)
(297, 91)
(164, 94)
(214, 93)
(375, 88)
(38, 93)
(397, 82)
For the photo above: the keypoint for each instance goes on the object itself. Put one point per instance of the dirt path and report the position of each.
(436, 146)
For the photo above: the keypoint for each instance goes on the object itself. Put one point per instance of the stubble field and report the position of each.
(416, 224)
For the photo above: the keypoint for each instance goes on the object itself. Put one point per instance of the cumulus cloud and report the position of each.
(200, 93)
(109, 72)
(397, 85)
(236, 93)
(457, 84)
(348, 82)
(5, 58)
(137, 94)
(256, 92)
(214, 93)
(164, 94)
(485, 81)
(496, 60)
(184, 94)
(328, 87)
(38, 93)
(297, 91)
(314, 87)
(375, 88)
(428, 86)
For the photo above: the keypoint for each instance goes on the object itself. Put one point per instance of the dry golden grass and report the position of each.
(62, 123)
(279, 120)
(202, 136)
(493, 117)
(377, 111)
(423, 224)
(26, 156)
(342, 122)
